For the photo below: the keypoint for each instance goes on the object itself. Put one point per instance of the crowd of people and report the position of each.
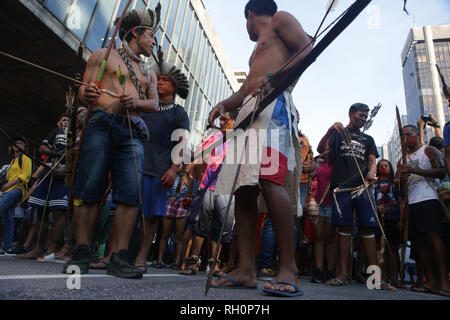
(137, 205)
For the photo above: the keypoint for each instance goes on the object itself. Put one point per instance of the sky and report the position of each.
(362, 65)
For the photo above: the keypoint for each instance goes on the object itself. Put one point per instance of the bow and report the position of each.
(345, 20)
(404, 205)
(71, 95)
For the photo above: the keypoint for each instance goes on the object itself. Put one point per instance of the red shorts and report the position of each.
(274, 166)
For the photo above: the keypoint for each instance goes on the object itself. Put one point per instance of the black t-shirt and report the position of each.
(158, 150)
(345, 172)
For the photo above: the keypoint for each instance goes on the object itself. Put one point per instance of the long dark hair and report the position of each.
(391, 174)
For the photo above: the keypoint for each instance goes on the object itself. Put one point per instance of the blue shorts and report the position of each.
(364, 213)
(57, 196)
(154, 197)
(325, 212)
(107, 147)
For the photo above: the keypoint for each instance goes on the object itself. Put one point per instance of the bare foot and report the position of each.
(240, 276)
(64, 253)
(283, 277)
(33, 254)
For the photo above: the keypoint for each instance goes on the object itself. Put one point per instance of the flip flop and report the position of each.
(141, 266)
(337, 282)
(105, 265)
(158, 265)
(235, 284)
(387, 286)
(280, 293)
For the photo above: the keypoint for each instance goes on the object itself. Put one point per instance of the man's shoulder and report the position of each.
(99, 53)
(283, 16)
(431, 151)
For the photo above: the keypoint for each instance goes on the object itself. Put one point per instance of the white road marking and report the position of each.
(62, 276)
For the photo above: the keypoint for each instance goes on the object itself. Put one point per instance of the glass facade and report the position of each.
(418, 81)
(181, 36)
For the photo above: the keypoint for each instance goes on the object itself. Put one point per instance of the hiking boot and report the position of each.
(318, 276)
(266, 274)
(80, 258)
(119, 266)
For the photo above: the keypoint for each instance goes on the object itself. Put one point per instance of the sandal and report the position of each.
(338, 282)
(141, 267)
(387, 286)
(158, 265)
(192, 264)
(175, 266)
(398, 285)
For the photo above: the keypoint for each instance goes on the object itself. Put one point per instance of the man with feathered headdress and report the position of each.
(108, 144)
(160, 168)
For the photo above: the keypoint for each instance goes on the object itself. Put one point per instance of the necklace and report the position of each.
(164, 106)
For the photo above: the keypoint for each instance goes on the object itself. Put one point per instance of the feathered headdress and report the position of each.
(147, 19)
(180, 81)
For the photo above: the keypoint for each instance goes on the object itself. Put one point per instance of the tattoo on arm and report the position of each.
(152, 91)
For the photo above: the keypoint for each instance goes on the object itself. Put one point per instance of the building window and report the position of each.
(79, 16)
(179, 23)
(190, 47)
(59, 8)
(201, 52)
(186, 28)
(195, 49)
(172, 16)
(100, 26)
(119, 12)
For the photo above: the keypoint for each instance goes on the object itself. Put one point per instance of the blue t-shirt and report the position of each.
(158, 150)
(447, 135)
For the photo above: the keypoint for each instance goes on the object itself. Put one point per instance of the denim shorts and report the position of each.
(325, 212)
(364, 213)
(108, 147)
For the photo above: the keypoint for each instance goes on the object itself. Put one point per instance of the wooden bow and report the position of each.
(404, 205)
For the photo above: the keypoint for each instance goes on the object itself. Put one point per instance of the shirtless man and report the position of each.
(107, 143)
(279, 37)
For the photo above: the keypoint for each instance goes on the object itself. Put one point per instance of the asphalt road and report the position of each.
(32, 280)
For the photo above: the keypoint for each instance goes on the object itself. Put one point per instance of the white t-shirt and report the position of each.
(420, 188)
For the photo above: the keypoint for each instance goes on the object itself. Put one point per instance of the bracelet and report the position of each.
(272, 79)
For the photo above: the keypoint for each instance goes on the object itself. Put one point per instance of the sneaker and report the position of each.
(318, 276)
(20, 250)
(9, 252)
(266, 274)
(80, 258)
(119, 266)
